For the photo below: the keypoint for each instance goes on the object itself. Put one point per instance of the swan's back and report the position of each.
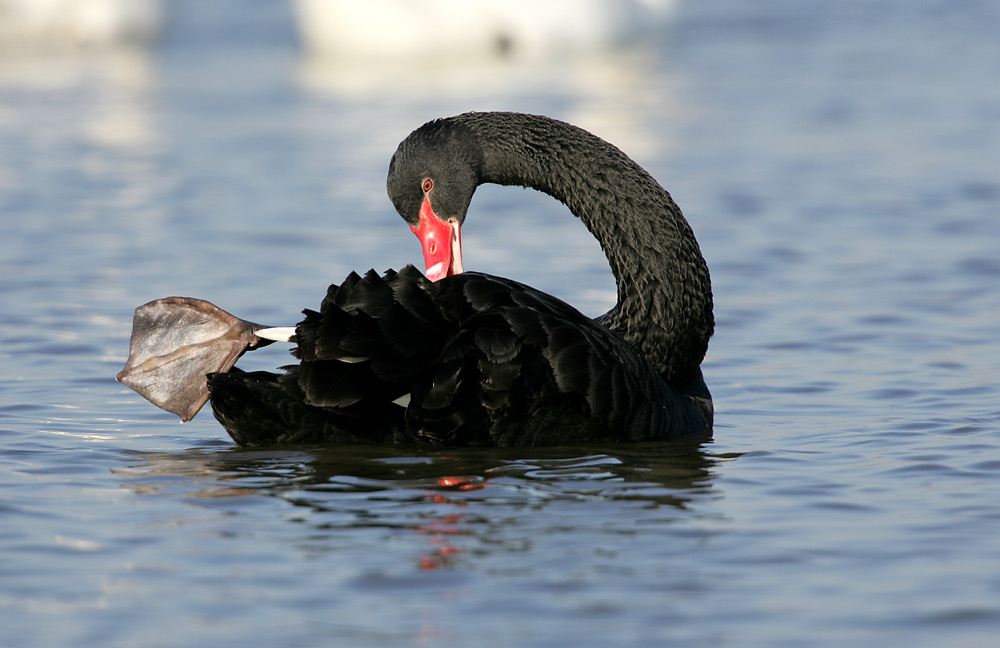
(470, 360)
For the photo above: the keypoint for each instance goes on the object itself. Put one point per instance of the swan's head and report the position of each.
(432, 177)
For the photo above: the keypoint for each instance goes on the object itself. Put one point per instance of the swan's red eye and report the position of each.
(428, 184)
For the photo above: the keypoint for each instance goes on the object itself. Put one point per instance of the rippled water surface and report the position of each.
(839, 164)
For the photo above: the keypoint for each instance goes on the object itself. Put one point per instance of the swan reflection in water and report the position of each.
(457, 503)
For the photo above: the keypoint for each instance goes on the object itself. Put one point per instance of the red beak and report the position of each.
(441, 242)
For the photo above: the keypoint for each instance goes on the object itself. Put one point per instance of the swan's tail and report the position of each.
(265, 409)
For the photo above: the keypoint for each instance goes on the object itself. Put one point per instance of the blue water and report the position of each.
(839, 164)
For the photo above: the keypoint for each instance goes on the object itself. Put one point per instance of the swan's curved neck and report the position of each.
(664, 304)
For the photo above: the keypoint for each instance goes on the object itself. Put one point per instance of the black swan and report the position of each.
(464, 358)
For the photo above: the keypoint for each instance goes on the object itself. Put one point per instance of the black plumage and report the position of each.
(474, 359)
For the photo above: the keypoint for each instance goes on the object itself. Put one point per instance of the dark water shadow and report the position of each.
(661, 473)
(456, 503)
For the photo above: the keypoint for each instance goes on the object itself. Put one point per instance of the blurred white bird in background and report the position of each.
(95, 23)
(385, 29)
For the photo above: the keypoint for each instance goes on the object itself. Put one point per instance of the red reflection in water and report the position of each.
(442, 529)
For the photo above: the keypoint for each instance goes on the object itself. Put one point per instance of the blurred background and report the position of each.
(838, 162)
